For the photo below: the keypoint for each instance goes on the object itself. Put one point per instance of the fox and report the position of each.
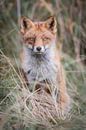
(40, 59)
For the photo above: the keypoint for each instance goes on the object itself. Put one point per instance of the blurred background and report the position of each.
(71, 40)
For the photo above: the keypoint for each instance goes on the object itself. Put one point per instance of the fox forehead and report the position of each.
(37, 33)
(39, 25)
(39, 30)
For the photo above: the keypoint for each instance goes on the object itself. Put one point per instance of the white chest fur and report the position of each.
(39, 67)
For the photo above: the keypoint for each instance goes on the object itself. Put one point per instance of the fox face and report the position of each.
(38, 36)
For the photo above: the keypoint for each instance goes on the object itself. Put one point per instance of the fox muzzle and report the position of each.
(38, 49)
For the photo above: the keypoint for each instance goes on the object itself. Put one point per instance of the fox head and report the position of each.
(38, 36)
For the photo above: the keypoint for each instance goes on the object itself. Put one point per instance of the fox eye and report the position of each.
(31, 39)
(46, 39)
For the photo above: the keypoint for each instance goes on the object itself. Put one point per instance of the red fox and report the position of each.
(40, 58)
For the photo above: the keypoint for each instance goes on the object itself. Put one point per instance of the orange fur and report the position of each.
(41, 34)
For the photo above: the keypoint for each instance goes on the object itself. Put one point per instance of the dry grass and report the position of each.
(22, 107)
(30, 107)
(18, 105)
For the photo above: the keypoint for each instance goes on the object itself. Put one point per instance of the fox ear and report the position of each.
(25, 24)
(51, 24)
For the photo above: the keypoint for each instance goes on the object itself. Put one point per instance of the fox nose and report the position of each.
(38, 48)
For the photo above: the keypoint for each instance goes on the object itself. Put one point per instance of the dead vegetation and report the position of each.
(19, 107)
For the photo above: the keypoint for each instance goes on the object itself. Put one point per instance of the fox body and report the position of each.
(40, 60)
(39, 67)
